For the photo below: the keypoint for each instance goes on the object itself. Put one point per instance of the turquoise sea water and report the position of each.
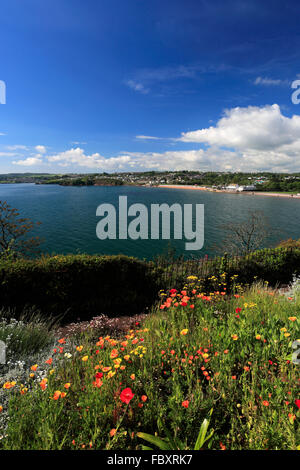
(68, 216)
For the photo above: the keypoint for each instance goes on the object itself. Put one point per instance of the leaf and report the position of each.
(157, 441)
(201, 439)
(173, 442)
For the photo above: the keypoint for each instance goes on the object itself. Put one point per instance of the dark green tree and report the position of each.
(15, 241)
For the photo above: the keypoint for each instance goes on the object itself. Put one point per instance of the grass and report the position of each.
(193, 354)
(25, 336)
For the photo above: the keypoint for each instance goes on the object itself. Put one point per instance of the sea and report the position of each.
(68, 220)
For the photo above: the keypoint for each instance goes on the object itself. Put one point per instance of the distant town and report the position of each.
(229, 181)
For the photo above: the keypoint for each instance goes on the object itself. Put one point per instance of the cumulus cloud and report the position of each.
(30, 161)
(261, 128)
(261, 137)
(40, 149)
(78, 157)
(244, 139)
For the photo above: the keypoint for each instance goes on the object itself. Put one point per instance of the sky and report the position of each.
(90, 86)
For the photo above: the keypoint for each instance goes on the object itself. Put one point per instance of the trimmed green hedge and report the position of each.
(81, 285)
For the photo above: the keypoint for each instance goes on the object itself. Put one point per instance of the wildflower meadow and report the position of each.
(216, 362)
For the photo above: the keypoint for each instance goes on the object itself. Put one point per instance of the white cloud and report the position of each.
(253, 127)
(30, 161)
(147, 137)
(78, 157)
(137, 86)
(40, 149)
(144, 79)
(16, 147)
(7, 154)
(244, 139)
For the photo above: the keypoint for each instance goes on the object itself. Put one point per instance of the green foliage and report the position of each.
(14, 230)
(274, 265)
(83, 286)
(173, 443)
(232, 354)
(26, 336)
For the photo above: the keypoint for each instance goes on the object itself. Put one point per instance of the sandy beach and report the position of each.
(249, 193)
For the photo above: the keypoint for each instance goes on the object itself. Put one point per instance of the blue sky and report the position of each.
(136, 85)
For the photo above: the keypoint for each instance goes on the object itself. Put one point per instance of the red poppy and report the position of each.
(297, 403)
(126, 395)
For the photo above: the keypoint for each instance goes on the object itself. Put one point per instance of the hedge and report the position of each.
(275, 265)
(81, 285)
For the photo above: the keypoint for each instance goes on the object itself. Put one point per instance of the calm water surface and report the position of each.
(68, 216)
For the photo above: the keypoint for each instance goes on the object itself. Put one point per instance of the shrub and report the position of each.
(277, 266)
(81, 286)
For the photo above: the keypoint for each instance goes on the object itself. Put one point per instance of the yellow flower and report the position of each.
(234, 337)
(79, 348)
(184, 331)
(258, 337)
(132, 376)
(287, 335)
(85, 358)
(9, 385)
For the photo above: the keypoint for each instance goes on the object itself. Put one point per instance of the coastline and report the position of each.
(249, 193)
